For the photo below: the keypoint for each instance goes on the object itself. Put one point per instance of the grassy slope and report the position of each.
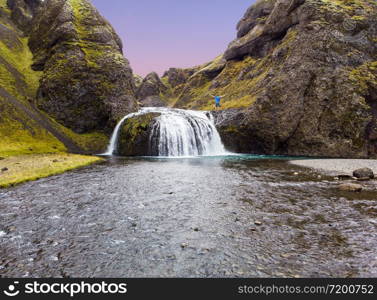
(22, 138)
(25, 168)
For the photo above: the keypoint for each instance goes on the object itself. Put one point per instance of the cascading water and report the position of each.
(177, 133)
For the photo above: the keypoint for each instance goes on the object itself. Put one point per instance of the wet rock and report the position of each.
(134, 135)
(345, 177)
(350, 187)
(364, 173)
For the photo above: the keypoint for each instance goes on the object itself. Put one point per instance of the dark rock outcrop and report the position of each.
(87, 84)
(364, 173)
(134, 135)
(23, 12)
(177, 76)
(303, 73)
(151, 86)
(152, 101)
(318, 96)
(138, 81)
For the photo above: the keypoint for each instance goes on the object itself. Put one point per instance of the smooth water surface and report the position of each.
(201, 217)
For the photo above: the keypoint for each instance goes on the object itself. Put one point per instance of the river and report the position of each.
(235, 216)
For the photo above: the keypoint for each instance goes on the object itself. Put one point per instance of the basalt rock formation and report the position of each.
(300, 79)
(62, 73)
(87, 84)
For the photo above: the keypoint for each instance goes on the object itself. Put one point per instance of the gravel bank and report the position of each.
(337, 166)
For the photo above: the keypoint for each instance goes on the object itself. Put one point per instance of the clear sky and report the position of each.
(159, 34)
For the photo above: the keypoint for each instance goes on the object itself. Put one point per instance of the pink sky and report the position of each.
(161, 34)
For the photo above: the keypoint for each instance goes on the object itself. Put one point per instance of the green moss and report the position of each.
(133, 134)
(21, 135)
(94, 51)
(21, 59)
(134, 126)
(239, 82)
(364, 77)
(4, 7)
(18, 133)
(348, 6)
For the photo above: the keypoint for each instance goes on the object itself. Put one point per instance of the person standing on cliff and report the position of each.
(217, 100)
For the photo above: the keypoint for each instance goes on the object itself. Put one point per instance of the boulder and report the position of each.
(134, 135)
(364, 173)
(350, 187)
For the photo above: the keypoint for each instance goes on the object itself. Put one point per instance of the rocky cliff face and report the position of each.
(150, 90)
(300, 79)
(75, 74)
(86, 84)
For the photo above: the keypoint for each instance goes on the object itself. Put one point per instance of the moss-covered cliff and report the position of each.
(61, 71)
(300, 79)
(87, 84)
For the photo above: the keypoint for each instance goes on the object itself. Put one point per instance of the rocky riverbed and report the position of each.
(240, 216)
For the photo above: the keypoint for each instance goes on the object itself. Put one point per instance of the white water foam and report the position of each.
(177, 133)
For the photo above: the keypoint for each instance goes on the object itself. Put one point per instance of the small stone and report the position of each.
(364, 173)
(319, 177)
(134, 225)
(258, 223)
(55, 161)
(253, 229)
(4, 169)
(184, 245)
(196, 229)
(350, 187)
(296, 173)
(237, 220)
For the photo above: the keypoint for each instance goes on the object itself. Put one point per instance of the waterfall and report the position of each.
(177, 133)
